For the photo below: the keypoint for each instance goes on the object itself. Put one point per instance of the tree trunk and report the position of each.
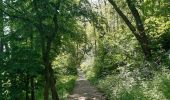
(1, 27)
(52, 84)
(46, 91)
(46, 86)
(32, 88)
(49, 75)
(139, 30)
(46, 42)
(27, 88)
(1, 46)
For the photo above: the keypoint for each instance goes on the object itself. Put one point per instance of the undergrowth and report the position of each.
(131, 85)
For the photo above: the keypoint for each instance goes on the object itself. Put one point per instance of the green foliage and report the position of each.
(165, 87)
(65, 86)
(111, 54)
(134, 94)
(119, 69)
(64, 32)
(129, 85)
(32, 30)
(165, 40)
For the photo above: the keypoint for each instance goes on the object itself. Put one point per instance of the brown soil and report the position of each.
(83, 90)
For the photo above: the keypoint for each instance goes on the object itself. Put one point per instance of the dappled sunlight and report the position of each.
(84, 50)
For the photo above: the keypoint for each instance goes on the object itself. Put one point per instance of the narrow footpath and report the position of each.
(83, 90)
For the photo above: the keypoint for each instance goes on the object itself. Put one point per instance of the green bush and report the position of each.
(165, 87)
(65, 85)
(134, 94)
(129, 85)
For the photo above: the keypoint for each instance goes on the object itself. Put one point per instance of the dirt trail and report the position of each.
(83, 90)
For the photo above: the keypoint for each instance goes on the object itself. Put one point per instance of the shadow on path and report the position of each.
(83, 90)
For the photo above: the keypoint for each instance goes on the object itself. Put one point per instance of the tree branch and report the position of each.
(136, 16)
(126, 20)
(25, 19)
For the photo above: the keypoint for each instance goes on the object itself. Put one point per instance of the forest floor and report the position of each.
(83, 90)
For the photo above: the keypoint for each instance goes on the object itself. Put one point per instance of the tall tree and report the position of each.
(137, 30)
(47, 38)
(1, 44)
(1, 26)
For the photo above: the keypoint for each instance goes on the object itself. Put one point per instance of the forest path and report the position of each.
(83, 90)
